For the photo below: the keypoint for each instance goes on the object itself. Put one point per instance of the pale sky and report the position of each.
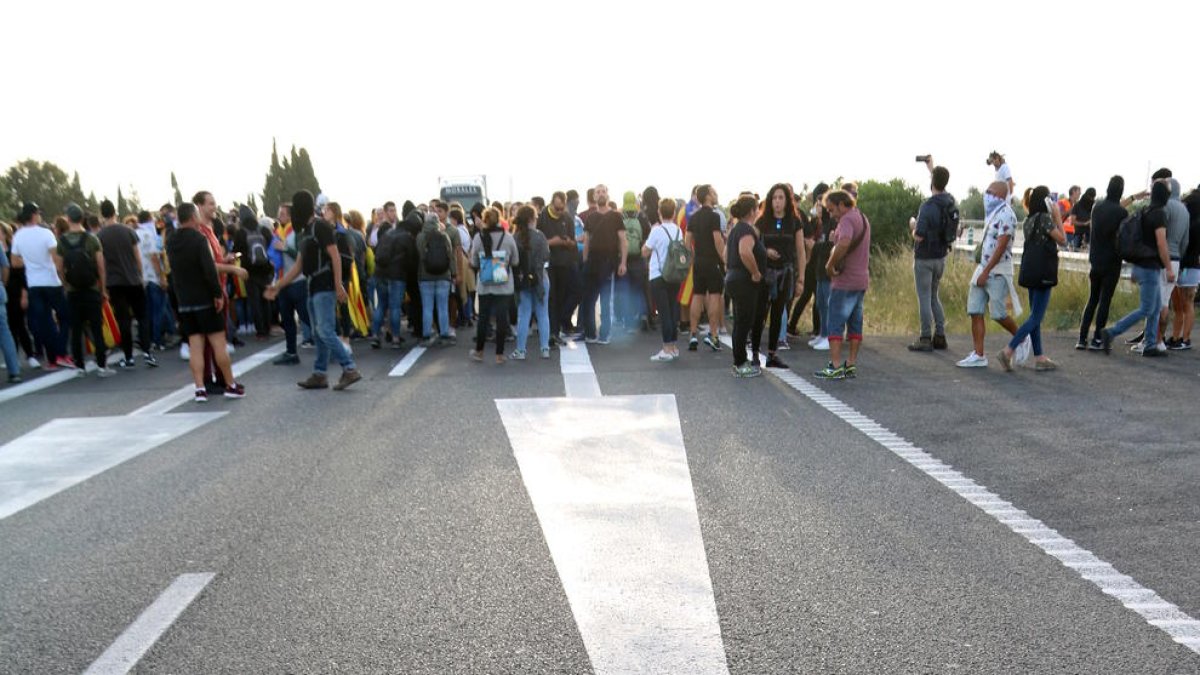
(555, 95)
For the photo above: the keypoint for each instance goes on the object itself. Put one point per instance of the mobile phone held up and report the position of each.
(922, 158)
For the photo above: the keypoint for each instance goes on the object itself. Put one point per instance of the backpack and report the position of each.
(523, 275)
(80, 267)
(258, 249)
(344, 246)
(678, 262)
(1129, 239)
(633, 235)
(436, 254)
(950, 224)
(493, 265)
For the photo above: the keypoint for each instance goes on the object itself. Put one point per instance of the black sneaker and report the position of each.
(14, 379)
(201, 396)
(1081, 345)
(939, 342)
(376, 344)
(922, 345)
(286, 359)
(1096, 345)
(1154, 352)
(1177, 344)
(1183, 345)
(150, 361)
(774, 362)
(693, 344)
(712, 342)
(1136, 339)
(851, 370)
(235, 391)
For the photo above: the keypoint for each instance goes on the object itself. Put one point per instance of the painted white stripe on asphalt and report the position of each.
(609, 480)
(65, 452)
(184, 394)
(122, 655)
(1132, 595)
(37, 384)
(406, 363)
(579, 378)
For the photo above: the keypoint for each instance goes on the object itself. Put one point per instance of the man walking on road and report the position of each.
(707, 241)
(992, 282)
(320, 258)
(123, 279)
(849, 270)
(605, 249)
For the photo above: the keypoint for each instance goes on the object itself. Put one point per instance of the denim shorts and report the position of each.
(846, 314)
(1189, 277)
(994, 296)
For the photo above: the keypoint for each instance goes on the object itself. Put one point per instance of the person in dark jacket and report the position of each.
(201, 301)
(395, 259)
(261, 274)
(413, 222)
(934, 231)
(558, 227)
(1106, 217)
(1082, 215)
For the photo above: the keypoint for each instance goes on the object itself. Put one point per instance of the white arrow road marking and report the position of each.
(609, 480)
(65, 452)
(123, 654)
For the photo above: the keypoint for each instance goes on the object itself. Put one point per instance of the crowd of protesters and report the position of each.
(191, 276)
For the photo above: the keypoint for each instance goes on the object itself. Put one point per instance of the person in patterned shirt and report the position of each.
(992, 282)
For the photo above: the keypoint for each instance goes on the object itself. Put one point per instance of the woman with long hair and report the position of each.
(1044, 233)
(783, 236)
(493, 255)
(532, 283)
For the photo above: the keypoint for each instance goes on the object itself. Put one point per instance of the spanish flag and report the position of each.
(358, 307)
(110, 329)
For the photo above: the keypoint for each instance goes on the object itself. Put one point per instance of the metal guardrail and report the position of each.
(1070, 261)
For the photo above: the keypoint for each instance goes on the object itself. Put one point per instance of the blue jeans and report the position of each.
(156, 299)
(435, 291)
(822, 300)
(599, 280)
(845, 314)
(1039, 300)
(7, 345)
(1149, 282)
(389, 298)
(293, 300)
(527, 300)
(322, 309)
(631, 300)
(46, 302)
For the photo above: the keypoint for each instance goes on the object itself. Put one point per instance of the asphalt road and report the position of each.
(387, 529)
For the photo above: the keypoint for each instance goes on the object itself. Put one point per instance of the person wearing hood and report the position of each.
(412, 221)
(1149, 268)
(435, 256)
(1081, 214)
(1178, 226)
(934, 232)
(1106, 218)
(1189, 279)
(250, 242)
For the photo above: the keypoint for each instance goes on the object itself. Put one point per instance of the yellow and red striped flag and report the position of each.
(358, 307)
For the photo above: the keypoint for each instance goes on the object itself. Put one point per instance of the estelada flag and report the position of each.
(112, 330)
(239, 286)
(358, 307)
(685, 289)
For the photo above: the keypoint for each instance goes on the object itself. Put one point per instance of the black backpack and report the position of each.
(436, 253)
(80, 267)
(257, 244)
(950, 221)
(1129, 239)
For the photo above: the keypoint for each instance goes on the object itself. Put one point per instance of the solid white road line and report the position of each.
(609, 480)
(37, 384)
(406, 363)
(122, 655)
(1165, 616)
(68, 451)
(579, 377)
(184, 394)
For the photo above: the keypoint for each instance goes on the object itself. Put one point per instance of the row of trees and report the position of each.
(52, 188)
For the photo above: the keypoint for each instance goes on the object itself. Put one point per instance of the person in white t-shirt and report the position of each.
(151, 245)
(666, 294)
(1003, 173)
(34, 247)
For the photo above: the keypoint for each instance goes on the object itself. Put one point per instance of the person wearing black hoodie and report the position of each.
(1147, 273)
(1082, 213)
(934, 231)
(1106, 218)
(251, 241)
(413, 222)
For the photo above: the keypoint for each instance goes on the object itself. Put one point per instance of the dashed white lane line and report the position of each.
(406, 363)
(44, 382)
(1159, 613)
(123, 654)
(579, 377)
(184, 394)
(608, 477)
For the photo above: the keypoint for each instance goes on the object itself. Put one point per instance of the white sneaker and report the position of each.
(1023, 351)
(105, 372)
(90, 366)
(821, 345)
(229, 348)
(1137, 347)
(662, 357)
(973, 360)
(33, 363)
(185, 352)
(812, 342)
(1162, 346)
